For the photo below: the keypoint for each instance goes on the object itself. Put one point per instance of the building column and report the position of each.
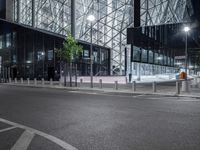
(137, 15)
(18, 11)
(33, 13)
(73, 18)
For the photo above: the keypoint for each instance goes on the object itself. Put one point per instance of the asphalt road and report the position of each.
(40, 119)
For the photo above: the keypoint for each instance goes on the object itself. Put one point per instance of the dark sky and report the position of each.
(196, 6)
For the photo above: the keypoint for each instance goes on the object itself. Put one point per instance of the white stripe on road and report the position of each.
(7, 129)
(24, 141)
(107, 94)
(55, 140)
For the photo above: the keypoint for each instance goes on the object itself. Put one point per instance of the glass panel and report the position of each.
(136, 53)
(8, 40)
(50, 54)
(156, 58)
(144, 55)
(151, 57)
(1, 42)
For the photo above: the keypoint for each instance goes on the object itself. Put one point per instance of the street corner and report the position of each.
(14, 136)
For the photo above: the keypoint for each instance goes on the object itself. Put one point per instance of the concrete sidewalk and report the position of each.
(167, 89)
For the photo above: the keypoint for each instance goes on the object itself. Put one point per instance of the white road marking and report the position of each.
(106, 94)
(189, 100)
(7, 129)
(138, 95)
(24, 141)
(55, 140)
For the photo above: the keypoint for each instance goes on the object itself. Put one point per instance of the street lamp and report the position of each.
(185, 86)
(91, 19)
(186, 29)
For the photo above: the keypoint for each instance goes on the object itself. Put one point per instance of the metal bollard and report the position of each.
(10, 80)
(28, 81)
(154, 87)
(81, 82)
(116, 85)
(42, 81)
(126, 80)
(22, 80)
(134, 86)
(35, 81)
(60, 82)
(177, 87)
(51, 82)
(100, 84)
(15, 80)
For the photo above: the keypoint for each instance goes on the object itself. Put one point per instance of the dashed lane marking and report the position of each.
(7, 129)
(29, 132)
(24, 141)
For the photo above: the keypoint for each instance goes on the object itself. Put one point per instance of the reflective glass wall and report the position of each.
(30, 53)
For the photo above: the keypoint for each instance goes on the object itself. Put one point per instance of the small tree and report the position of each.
(70, 50)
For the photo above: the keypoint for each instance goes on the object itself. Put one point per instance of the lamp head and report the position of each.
(91, 18)
(186, 29)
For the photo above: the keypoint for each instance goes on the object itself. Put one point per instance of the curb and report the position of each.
(99, 90)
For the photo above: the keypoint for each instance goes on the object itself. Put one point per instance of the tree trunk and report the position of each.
(76, 76)
(65, 74)
(70, 74)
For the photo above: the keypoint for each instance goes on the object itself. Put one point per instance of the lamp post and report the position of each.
(91, 19)
(186, 29)
(185, 86)
(43, 59)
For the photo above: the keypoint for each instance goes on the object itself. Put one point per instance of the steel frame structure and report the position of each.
(113, 17)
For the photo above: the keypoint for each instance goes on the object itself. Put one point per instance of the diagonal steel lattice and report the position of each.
(113, 17)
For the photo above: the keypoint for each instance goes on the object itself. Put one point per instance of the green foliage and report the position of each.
(70, 49)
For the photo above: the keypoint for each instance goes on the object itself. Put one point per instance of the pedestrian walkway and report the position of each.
(158, 88)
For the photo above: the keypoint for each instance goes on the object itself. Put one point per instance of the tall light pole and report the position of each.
(91, 19)
(186, 29)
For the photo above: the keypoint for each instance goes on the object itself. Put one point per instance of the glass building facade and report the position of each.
(30, 53)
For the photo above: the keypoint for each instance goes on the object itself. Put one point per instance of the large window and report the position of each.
(136, 54)
(151, 57)
(8, 40)
(144, 55)
(156, 58)
(1, 42)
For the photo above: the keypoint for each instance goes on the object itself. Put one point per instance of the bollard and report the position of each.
(116, 85)
(195, 83)
(134, 86)
(42, 81)
(22, 80)
(35, 81)
(126, 80)
(81, 82)
(185, 86)
(60, 82)
(28, 81)
(100, 84)
(154, 87)
(177, 87)
(15, 80)
(10, 80)
(51, 82)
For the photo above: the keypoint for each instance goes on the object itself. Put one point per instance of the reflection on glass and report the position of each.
(50, 54)
(8, 40)
(95, 56)
(40, 55)
(144, 55)
(151, 57)
(156, 58)
(86, 53)
(136, 53)
(1, 42)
